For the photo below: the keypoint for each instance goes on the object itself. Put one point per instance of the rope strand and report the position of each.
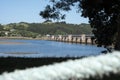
(85, 68)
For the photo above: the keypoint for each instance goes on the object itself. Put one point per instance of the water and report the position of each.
(41, 48)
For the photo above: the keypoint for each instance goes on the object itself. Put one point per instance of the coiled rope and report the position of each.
(79, 69)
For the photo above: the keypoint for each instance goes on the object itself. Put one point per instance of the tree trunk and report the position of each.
(117, 44)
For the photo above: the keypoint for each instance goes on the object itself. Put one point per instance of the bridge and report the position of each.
(83, 39)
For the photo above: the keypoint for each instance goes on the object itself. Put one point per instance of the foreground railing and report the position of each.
(103, 67)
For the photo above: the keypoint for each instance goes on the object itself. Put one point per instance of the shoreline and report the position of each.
(9, 43)
(29, 38)
(14, 38)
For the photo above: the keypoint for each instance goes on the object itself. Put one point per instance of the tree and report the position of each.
(51, 13)
(2, 34)
(104, 17)
(1, 27)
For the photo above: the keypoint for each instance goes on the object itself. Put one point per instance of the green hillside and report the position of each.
(34, 29)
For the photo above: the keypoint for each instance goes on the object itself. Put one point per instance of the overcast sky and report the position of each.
(14, 11)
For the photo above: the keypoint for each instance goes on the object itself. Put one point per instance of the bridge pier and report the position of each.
(78, 40)
(70, 38)
(83, 38)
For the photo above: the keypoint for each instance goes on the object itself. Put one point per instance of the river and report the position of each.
(42, 48)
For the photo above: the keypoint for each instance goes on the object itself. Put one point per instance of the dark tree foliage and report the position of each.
(104, 17)
(51, 13)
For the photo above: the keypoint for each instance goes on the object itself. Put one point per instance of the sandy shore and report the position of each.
(29, 38)
(7, 42)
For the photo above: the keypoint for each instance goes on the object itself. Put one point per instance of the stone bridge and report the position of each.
(83, 39)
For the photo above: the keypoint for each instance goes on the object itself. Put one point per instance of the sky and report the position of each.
(15, 11)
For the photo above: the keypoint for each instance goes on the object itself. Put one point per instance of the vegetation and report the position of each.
(59, 28)
(10, 64)
(34, 30)
(104, 17)
(1, 27)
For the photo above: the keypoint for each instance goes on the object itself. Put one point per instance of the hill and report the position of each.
(39, 29)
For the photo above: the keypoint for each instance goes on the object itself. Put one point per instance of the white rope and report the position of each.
(77, 69)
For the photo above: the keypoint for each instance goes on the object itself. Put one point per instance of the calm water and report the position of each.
(40, 48)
